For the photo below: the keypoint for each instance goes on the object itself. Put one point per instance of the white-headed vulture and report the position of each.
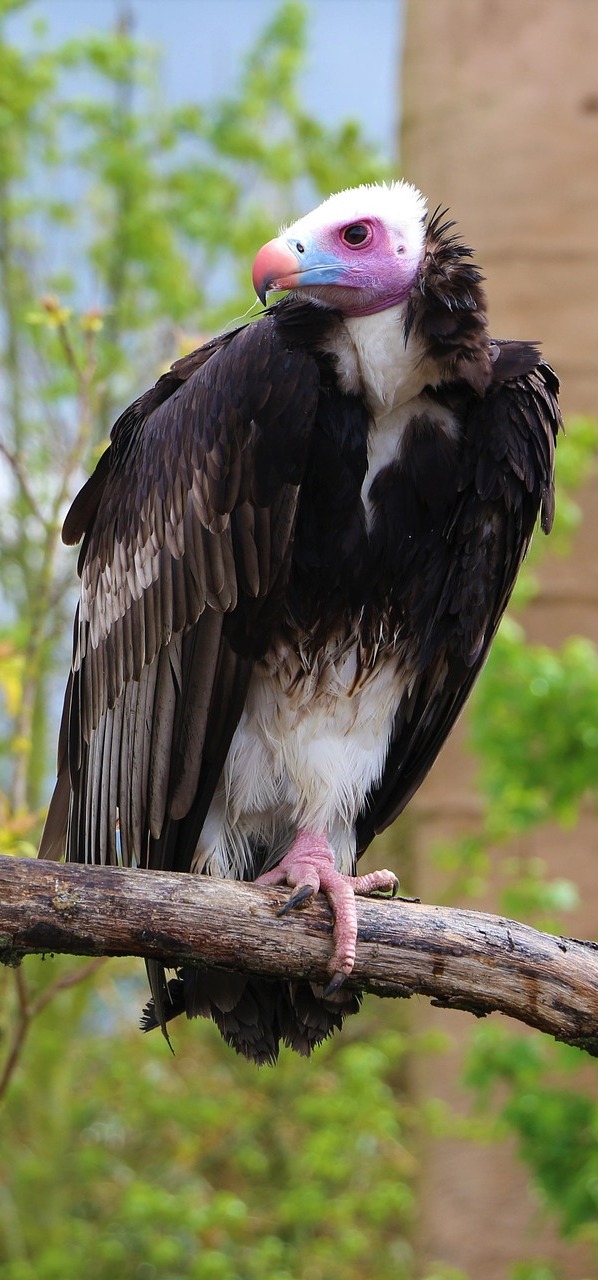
(296, 552)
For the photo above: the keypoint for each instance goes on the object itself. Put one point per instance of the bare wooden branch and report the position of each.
(461, 959)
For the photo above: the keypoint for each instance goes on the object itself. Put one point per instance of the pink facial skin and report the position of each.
(358, 267)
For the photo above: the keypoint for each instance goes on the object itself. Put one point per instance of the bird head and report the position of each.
(358, 253)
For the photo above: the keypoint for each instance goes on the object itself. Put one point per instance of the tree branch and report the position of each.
(461, 959)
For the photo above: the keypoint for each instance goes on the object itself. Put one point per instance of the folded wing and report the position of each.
(462, 575)
(187, 525)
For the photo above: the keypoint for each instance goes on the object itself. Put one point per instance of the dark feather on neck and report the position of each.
(447, 308)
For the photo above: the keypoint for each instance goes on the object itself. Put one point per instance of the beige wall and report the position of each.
(500, 123)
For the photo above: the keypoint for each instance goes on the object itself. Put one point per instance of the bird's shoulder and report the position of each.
(197, 410)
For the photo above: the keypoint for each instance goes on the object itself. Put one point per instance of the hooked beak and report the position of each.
(276, 267)
(290, 264)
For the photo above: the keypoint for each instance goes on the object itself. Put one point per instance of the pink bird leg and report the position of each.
(308, 867)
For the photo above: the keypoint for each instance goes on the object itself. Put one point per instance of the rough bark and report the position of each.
(461, 959)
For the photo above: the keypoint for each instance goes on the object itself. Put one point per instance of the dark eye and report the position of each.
(356, 234)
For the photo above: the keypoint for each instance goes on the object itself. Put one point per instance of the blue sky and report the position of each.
(354, 49)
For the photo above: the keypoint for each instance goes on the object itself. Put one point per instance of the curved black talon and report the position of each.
(306, 891)
(334, 985)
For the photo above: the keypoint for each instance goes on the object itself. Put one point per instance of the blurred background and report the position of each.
(146, 150)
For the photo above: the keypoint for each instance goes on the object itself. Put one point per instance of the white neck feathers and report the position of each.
(374, 360)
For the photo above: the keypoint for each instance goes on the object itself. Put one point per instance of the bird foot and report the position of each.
(308, 867)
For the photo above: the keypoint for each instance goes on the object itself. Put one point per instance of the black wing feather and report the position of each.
(461, 581)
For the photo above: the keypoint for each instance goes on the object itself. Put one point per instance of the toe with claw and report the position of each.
(308, 867)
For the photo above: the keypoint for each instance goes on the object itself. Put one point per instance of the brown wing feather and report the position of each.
(187, 520)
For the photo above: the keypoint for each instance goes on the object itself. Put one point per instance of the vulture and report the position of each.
(295, 554)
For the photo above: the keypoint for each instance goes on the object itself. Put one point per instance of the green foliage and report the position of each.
(556, 1122)
(575, 459)
(172, 202)
(533, 1271)
(441, 1272)
(115, 1158)
(198, 1166)
(536, 730)
(127, 228)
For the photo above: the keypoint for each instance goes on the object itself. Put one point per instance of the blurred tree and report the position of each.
(112, 1158)
(125, 234)
(151, 213)
(116, 1158)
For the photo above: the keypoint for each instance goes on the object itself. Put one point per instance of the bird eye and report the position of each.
(356, 235)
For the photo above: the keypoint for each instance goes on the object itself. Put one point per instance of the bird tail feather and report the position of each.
(254, 1015)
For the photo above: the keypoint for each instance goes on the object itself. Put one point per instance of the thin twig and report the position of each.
(19, 1035)
(16, 467)
(65, 983)
(28, 1010)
